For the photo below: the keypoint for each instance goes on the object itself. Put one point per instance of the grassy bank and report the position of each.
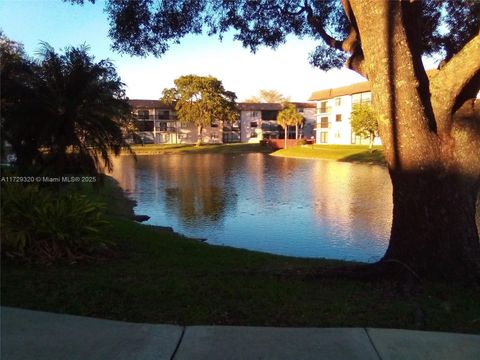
(240, 148)
(160, 277)
(349, 153)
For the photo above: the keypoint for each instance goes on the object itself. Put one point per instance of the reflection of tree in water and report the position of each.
(201, 193)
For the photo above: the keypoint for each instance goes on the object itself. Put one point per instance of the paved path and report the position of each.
(27, 334)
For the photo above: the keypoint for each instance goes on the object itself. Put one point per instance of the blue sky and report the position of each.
(60, 24)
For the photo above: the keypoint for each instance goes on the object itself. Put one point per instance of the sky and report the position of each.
(60, 24)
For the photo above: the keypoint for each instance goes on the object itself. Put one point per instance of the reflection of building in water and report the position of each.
(356, 204)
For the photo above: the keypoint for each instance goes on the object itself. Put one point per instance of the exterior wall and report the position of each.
(162, 127)
(159, 125)
(248, 132)
(268, 129)
(335, 131)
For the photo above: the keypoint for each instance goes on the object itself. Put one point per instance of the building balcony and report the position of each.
(170, 117)
(324, 110)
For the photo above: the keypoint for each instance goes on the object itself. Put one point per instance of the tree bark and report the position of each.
(435, 170)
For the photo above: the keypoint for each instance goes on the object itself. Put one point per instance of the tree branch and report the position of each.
(350, 44)
(318, 27)
(448, 85)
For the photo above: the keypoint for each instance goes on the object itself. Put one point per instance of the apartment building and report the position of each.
(158, 124)
(258, 121)
(334, 109)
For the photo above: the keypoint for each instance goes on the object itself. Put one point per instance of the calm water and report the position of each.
(306, 208)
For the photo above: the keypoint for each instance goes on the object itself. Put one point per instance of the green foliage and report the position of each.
(289, 116)
(64, 113)
(149, 27)
(364, 121)
(44, 226)
(201, 100)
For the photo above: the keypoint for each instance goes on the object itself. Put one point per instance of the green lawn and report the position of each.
(350, 153)
(237, 148)
(160, 277)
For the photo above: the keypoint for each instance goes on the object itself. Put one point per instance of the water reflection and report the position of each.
(296, 207)
(309, 208)
(195, 193)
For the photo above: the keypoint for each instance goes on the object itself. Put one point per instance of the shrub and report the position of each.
(45, 226)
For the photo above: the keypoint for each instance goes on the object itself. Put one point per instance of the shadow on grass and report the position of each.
(375, 157)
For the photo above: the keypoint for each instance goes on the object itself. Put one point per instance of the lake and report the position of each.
(297, 207)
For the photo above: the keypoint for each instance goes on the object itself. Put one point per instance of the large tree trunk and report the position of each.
(435, 169)
(433, 228)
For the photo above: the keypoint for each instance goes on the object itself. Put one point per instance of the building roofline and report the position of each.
(352, 89)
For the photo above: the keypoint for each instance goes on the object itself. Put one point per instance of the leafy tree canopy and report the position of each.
(141, 27)
(201, 100)
(268, 96)
(364, 121)
(289, 116)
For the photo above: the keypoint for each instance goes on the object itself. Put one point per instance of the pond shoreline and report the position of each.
(125, 207)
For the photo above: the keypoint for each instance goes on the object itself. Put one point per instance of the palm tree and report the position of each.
(289, 116)
(83, 110)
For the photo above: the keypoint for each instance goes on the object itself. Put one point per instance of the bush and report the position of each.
(45, 226)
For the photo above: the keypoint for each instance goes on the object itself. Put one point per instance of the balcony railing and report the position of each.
(155, 117)
(324, 110)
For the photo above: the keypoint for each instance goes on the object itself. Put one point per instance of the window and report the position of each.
(253, 124)
(163, 126)
(214, 124)
(365, 97)
(356, 98)
(338, 117)
(269, 114)
(338, 101)
(163, 114)
(214, 136)
(300, 110)
(254, 113)
(324, 122)
(269, 126)
(145, 126)
(253, 135)
(323, 107)
(142, 114)
(324, 137)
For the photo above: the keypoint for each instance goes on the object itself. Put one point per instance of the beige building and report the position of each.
(334, 109)
(258, 121)
(158, 124)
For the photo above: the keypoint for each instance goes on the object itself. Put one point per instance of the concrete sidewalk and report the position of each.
(27, 334)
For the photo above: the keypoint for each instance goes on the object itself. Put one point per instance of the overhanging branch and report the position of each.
(447, 86)
(350, 44)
